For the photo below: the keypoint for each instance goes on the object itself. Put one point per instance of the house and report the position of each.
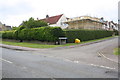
(4, 27)
(85, 22)
(110, 25)
(1, 25)
(57, 20)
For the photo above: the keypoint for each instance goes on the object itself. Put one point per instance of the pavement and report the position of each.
(18, 47)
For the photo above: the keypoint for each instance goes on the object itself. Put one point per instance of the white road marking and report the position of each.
(106, 57)
(102, 66)
(67, 60)
(6, 60)
(24, 67)
(91, 64)
(78, 62)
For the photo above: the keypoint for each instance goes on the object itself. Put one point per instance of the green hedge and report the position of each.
(116, 32)
(49, 34)
(1, 32)
(7, 34)
(85, 35)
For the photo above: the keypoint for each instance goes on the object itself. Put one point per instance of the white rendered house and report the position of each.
(57, 20)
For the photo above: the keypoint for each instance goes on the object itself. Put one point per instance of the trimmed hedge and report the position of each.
(85, 35)
(8, 34)
(1, 32)
(49, 34)
(116, 32)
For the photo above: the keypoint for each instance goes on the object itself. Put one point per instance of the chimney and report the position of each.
(47, 16)
(102, 18)
(4, 25)
(37, 18)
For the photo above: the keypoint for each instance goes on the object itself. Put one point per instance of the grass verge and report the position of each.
(117, 51)
(70, 44)
(31, 45)
(35, 45)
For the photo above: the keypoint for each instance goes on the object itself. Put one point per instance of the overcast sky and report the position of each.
(13, 12)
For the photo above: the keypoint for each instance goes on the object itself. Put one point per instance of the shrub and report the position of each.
(85, 35)
(7, 34)
(42, 33)
(52, 34)
(116, 32)
(31, 23)
(14, 28)
(1, 32)
(49, 34)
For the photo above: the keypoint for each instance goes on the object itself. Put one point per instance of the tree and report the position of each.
(31, 23)
(14, 28)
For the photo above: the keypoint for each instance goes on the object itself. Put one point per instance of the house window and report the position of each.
(61, 23)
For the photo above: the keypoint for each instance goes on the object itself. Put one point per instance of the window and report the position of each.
(61, 23)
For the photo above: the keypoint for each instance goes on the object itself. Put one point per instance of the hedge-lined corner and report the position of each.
(49, 34)
(116, 32)
(7, 34)
(1, 32)
(85, 35)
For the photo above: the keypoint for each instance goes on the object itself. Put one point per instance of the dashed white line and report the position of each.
(92, 64)
(102, 66)
(6, 60)
(78, 62)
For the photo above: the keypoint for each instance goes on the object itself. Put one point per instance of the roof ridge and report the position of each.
(52, 19)
(55, 16)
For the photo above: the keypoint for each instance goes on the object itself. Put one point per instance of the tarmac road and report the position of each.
(88, 54)
(78, 62)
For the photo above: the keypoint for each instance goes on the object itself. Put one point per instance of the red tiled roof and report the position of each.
(53, 19)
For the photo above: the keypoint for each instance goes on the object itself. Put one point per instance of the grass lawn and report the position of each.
(117, 51)
(31, 45)
(69, 44)
(35, 45)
